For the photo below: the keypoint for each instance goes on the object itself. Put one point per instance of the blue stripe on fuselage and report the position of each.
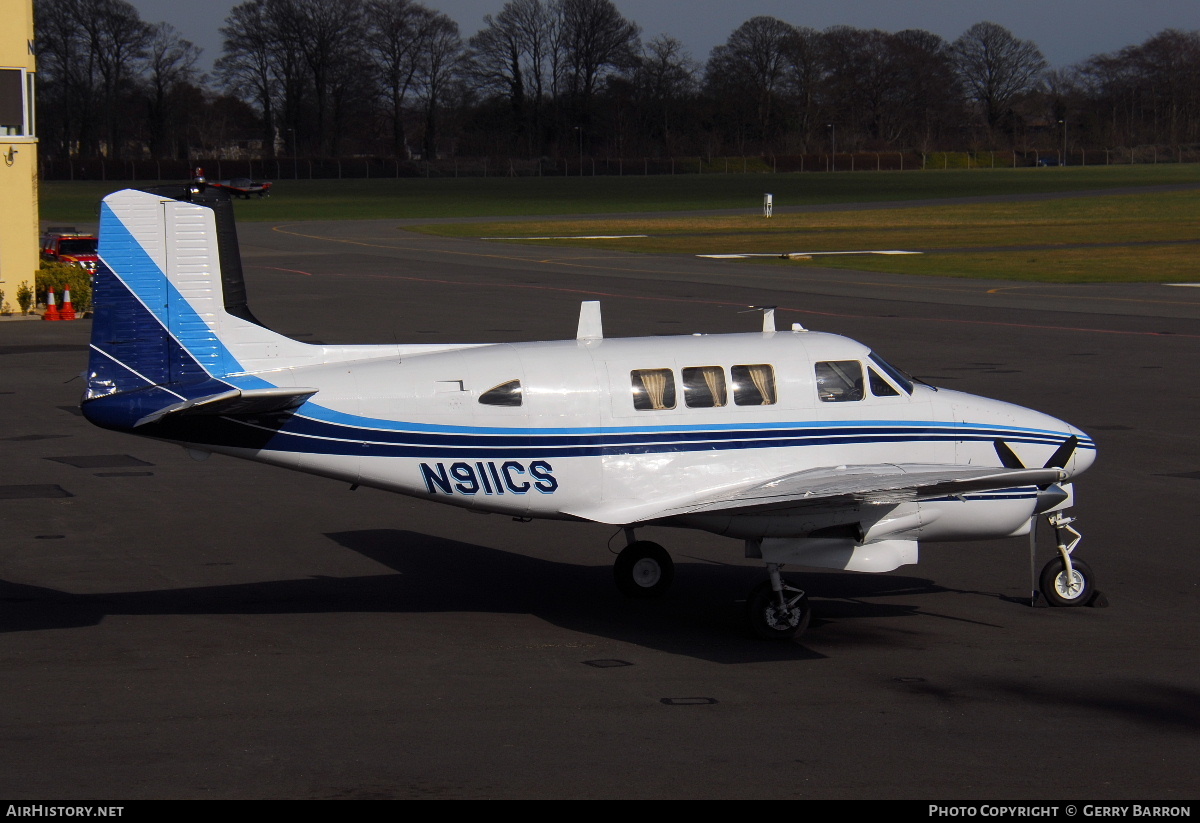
(293, 434)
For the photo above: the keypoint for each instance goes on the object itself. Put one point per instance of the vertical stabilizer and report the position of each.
(163, 314)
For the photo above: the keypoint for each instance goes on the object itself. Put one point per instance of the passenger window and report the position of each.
(653, 389)
(839, 381)
(879, 386)
(506, 394)
(753, 385)
(704, 387)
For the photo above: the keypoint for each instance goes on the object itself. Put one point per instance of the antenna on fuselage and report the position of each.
(768, 313)
(590, 325)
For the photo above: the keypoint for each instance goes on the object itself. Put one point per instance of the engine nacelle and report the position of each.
(838, 553)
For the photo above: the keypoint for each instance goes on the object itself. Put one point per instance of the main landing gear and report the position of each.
(1065, 581)
(776, 610)
(643, 569)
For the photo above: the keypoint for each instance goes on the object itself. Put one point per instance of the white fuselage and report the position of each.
(578, 445)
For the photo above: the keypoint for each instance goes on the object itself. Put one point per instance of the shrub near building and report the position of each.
(62, 276)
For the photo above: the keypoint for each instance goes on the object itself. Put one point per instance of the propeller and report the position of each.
(1058, 460)
(1047, 498)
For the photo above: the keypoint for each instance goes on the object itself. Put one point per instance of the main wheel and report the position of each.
(1061, 589)
(771, 621)
(643, 569)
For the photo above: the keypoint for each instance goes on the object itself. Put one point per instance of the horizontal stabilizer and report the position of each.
(235, 402)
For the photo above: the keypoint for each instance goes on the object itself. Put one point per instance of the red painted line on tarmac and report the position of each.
(593, 293)
(276, 268)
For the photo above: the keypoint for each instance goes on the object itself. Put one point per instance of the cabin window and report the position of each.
(704, 387)
(753, 385)
(653, 389)
(879, 386)
(839, 381)
(506, 394)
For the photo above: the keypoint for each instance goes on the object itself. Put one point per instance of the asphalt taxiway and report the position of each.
(221, 629)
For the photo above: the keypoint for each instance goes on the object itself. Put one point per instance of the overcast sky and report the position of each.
(1067, 31)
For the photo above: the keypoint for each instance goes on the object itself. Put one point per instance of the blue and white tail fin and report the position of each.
(171, 330)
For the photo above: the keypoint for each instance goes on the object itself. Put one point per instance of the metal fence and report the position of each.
(365, 168)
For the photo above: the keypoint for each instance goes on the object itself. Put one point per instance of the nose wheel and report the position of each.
(1066, 588)
(1065, 580)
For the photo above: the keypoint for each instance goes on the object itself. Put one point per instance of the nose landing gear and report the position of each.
(1065, 581)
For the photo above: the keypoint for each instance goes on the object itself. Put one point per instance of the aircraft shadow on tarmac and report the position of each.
(702, 616)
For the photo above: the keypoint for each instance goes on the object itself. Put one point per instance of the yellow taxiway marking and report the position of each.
(575, 237)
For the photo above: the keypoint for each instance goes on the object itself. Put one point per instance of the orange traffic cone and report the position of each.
(67, 312)
(51, 309)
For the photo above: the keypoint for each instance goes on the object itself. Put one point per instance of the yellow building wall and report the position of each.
(19, 228)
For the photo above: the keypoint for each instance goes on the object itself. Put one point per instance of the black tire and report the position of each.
(643, 569)
(769, 621)
(1058, 591)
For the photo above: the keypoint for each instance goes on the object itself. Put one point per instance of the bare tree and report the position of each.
(928, 97)
(861, 83)
(804, 77)
(751, 68)
(665, 79)
(67, 88)
(119, 36)
(1169, 64)
(170, 64)
(510, 56)
(91, 50)
(437, 70)
(247, 66)
(326, 33)
(397, 33)
(996, 68)
(594, 40)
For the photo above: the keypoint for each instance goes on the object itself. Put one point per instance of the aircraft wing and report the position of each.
(834, 486)
(235, 402)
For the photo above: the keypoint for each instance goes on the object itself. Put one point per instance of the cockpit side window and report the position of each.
(753, 385)
(653, 389)
(879, 386)
(506, 394)
(704, 387)
(839, 381)
(901, 379)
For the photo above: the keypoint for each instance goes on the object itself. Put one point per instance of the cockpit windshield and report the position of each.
(904, 380)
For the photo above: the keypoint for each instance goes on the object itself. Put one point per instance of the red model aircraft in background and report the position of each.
(242, 187)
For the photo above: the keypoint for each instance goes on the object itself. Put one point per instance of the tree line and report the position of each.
(556, 78)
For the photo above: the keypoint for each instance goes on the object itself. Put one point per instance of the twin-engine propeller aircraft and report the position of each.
(809, 448)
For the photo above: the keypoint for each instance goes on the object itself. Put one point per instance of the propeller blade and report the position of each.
(1062, 454)
(1008, 458)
